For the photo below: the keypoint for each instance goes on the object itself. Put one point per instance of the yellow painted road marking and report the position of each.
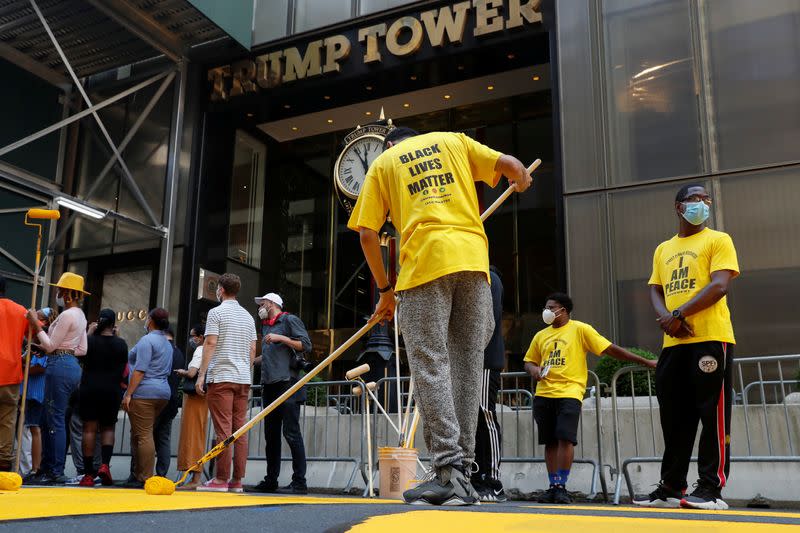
(551, 523)
(623, 509)
(49, 502)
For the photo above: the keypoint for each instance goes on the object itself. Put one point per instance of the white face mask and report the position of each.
(219, 294)
(60, 301)
(146, 329)
(548, 316)
(263, 313)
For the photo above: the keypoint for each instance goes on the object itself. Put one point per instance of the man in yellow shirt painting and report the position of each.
(688, 287)
(556, 359)
(427, 184)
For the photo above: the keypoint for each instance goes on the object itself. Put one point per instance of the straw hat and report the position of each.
(70, 281)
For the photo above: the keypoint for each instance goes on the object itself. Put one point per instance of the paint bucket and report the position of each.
(398, 469)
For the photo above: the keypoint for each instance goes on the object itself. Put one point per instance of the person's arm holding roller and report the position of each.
(370, 244)
(513, 169)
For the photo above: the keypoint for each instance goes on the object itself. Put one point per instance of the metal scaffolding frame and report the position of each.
(134, 20)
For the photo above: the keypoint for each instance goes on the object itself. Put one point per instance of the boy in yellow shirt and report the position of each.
(556, 359)
(688, 287)
(427, 183)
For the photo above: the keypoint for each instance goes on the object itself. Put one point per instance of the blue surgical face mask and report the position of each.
(695, 213)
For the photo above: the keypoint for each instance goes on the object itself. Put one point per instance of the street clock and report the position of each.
(361, 147)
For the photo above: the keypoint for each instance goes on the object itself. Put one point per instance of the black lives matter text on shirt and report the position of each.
(419, 163)
(681, 279)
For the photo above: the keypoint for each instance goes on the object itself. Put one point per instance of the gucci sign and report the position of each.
(131, 315)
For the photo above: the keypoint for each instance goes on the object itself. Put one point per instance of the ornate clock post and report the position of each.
(361, 147)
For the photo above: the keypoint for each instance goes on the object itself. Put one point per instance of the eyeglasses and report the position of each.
(698, 198)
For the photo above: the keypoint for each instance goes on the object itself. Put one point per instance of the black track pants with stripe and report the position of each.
(693, 385)
(488, 439)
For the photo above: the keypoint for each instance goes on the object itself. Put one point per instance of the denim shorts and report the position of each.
(34, 413)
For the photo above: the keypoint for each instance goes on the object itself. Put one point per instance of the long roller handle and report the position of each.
(218, 449)
(503, 197)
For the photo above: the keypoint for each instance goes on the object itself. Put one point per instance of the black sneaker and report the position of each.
(548, 496)
(560, 495)
(33, 478)
(704, 497)
(487, 494)
(49, 480)
(448, 485)
(133, 483)
(663, 497)
(265, 486)
(293, 488)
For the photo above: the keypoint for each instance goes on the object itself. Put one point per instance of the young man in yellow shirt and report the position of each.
(556, 359)
(688, 287)
(427, 184)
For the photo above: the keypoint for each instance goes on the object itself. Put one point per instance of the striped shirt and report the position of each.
(235, 330)
(35, 383)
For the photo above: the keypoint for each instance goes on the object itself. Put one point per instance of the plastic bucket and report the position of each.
(398, 469)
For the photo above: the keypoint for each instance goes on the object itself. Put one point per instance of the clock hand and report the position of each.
(363, 160)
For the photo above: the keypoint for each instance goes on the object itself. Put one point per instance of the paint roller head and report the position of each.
(10, 481)
(43, 214)
(357, 371)
(372, 386)
(357, 391)
(159, 486)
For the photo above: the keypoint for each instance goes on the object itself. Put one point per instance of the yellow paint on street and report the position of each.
(625, 509)
(49, 502)
(552, 523)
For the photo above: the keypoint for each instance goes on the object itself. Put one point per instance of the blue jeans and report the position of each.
(62, 378)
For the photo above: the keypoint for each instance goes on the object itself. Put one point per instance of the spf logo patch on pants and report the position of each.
(707, 364)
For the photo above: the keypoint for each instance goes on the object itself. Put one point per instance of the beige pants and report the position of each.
(142, 414)
(8, 423)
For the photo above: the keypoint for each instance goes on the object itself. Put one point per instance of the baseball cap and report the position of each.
(272, 297)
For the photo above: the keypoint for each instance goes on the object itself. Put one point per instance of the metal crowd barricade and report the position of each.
(766, 419)
(520, 399)
(332, 422)
(515, 402)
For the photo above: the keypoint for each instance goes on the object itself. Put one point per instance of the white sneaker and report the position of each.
(663, 497)
(704, 498)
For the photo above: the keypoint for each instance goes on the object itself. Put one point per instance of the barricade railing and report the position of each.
(514, 408)
(518, 388)
(332, 423)
(766, 421)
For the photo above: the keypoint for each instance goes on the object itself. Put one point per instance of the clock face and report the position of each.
(354, 161)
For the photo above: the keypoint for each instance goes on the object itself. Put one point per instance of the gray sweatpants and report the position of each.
(446, 325)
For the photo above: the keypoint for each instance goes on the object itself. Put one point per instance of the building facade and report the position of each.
(624, 101)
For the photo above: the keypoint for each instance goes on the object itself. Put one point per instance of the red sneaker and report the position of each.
(86, 481)
(235, 486)
(104, 473)
(213, 486)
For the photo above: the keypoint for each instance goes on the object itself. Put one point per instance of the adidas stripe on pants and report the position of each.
(489, 437)
(693, 385)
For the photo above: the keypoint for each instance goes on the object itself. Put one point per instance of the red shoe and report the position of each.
(235, 486)
(104, 473)
(86, 481)
(213, 486)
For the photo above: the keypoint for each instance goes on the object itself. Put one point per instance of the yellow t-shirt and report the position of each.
(427, 184)
(683, 266)
(565, 349)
